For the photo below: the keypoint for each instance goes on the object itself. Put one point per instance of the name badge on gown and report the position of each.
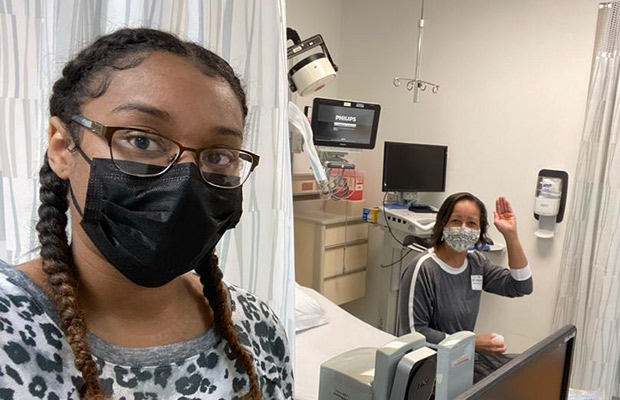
(476, 282)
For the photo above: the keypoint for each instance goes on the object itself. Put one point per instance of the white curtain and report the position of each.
(38, 36)
(589, 287)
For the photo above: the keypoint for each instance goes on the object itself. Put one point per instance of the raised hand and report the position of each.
(505, 218)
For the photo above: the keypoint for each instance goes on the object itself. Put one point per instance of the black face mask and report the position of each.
(155, 229)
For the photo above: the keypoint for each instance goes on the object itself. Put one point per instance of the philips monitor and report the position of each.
(541, 372)
(341, 123)
(412, 167)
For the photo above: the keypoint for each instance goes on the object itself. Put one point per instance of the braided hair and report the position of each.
(85, 77)
(216, 292)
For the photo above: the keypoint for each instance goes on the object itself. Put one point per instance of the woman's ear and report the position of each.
(60, 152)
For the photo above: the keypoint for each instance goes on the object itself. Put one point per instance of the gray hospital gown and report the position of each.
(36, 361)
(437, 300)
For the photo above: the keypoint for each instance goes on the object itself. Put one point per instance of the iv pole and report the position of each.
(418, 61)
(416, 84)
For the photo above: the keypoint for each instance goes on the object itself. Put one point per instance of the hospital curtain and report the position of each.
(589, 285)
(38, 36)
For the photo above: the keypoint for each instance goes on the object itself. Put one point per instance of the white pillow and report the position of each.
(308, 312)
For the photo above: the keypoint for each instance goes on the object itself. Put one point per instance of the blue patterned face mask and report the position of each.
(460, 238)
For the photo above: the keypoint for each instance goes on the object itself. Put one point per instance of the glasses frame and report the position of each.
(106, 132)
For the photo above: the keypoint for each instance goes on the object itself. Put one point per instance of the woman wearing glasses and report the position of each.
(145, 151)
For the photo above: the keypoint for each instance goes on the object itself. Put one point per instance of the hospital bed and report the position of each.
(325, 334)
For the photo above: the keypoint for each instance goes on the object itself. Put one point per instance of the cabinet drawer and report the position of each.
(345, 288)
(335, 235)
(354, 258)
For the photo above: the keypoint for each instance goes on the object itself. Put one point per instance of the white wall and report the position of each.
(514, 77)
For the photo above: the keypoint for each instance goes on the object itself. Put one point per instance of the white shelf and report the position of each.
(497, 247)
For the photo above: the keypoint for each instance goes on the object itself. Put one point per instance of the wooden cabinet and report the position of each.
(331, 253)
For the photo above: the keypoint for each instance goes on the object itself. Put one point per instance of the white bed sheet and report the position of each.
(314, 346)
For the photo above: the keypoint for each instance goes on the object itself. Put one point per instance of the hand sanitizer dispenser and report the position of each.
(550, 201)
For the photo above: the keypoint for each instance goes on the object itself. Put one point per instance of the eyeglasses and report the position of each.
(143, 153)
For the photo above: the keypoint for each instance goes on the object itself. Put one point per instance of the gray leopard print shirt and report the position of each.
(36, 361)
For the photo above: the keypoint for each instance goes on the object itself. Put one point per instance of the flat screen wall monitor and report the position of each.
(414, 167)
(344, 124)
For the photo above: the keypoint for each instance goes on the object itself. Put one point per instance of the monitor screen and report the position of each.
(542, 372)
(412, 167)
(341, 123)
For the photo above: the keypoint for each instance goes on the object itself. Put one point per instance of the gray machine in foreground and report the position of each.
(404, 369)
(415, 375)
(455, 365)
(366, 373)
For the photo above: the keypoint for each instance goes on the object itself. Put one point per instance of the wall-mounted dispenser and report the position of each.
(550, 201)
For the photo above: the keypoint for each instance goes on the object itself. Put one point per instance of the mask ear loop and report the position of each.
(73, 198)
(75, 203)
(84, 156)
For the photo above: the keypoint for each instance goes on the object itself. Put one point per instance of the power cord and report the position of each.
(409, 239)
(387, 222)
(346, 225)
(338, 187)
(397, 261)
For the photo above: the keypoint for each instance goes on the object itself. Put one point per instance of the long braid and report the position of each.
(215, 292)
(61, 274)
